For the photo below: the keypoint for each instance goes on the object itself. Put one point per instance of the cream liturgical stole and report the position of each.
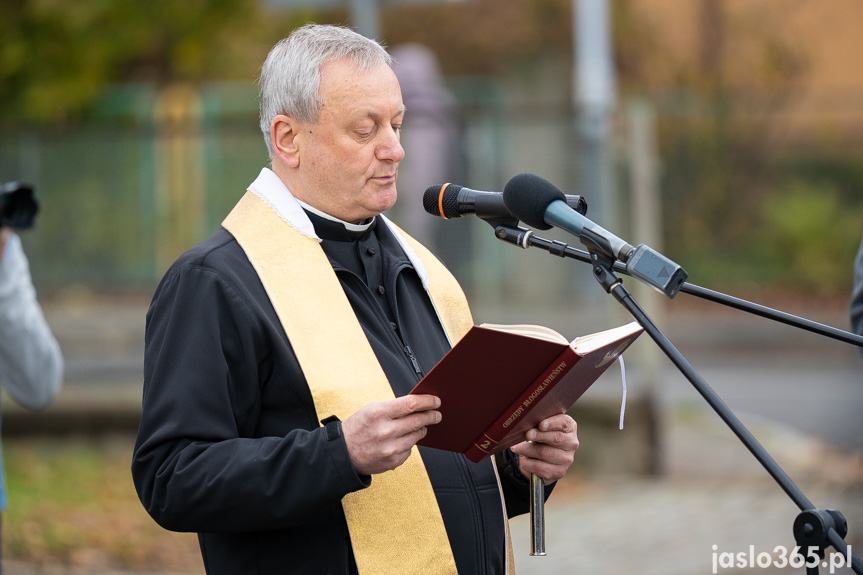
(395, 524)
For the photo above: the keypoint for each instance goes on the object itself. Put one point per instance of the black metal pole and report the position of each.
(602, 270)
(524, 239)
(615, 287)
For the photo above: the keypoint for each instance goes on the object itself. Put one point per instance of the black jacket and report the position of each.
(230, 446)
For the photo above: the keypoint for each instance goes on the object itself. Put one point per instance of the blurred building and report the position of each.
(751, 45)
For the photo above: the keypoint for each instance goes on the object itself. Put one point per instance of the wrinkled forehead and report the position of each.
(344, 84)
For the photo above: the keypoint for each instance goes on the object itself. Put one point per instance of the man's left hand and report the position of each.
(550, 448)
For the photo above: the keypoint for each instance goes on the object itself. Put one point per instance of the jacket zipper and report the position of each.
(410, 353)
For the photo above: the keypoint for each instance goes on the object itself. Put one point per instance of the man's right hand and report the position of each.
(380, 435)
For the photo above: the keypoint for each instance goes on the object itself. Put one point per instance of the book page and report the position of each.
(534, 331)
(588, 343)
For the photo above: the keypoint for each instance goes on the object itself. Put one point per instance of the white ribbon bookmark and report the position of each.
(623, 380)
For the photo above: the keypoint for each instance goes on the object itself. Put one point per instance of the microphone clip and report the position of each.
(597, 244)
(511, 233)
(603, 271)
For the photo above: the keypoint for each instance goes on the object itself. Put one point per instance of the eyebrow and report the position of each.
(374, 115)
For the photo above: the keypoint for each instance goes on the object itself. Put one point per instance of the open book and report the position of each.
(501, 380)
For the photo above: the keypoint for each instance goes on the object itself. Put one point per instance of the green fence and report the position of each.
(152, 171)
(125, 191)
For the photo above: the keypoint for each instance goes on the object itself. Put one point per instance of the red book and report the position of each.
(499, 381)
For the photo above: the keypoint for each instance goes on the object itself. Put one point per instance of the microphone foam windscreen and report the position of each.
(527, 196)
(445, 206)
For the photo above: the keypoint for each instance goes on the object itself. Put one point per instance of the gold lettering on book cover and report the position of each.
(513, 417)
(536, 393)
(545, 383)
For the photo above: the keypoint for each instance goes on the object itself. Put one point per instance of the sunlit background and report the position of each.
(726, 134)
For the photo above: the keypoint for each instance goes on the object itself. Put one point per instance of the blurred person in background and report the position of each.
(280, 351)
(857, 295)
(430, 138)
(31, 364)
(433, 139)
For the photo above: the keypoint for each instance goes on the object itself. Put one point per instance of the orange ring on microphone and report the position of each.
(440, 201)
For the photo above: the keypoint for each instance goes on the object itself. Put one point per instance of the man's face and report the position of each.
(349, 158)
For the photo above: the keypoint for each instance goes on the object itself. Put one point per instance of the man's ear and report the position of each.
(283, 136)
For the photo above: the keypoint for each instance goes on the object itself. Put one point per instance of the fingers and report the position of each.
(549, 473)
(411, 414)
(380, 436)
(549, 450)
(413, 423)
(408, 404)
(406, 415)
(549, 463)
(559, 431)
(545, 453)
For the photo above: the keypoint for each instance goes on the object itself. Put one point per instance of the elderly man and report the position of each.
(280, 352)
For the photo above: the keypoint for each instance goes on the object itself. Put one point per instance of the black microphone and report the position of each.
(453, 201)
(539, 204)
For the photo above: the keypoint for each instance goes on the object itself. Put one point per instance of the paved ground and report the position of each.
(800, 395)
(711, 497)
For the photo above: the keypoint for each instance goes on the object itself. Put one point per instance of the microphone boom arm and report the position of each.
(813, 528)
(523, 238)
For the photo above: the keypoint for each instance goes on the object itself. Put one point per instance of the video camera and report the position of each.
(18, 207)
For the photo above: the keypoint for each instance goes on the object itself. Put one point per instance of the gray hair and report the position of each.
(291, 75)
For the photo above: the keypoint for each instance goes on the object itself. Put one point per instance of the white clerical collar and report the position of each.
(272, 190)
(348, 226)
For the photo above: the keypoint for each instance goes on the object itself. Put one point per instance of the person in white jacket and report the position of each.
(31, 364)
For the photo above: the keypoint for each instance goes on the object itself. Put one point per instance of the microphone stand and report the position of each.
(511, 233)
(813, 527)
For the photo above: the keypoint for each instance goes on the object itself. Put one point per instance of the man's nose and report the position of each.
(391, 149)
